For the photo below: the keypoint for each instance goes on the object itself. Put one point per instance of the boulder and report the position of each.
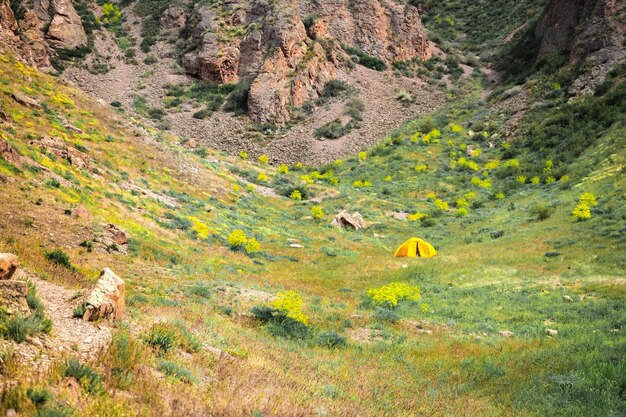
(117, 234)
(8, 265)
(66, 29)
(81, 212)
(112, 239)
(345, 220)
(506, 333)
(106, 300)
(173, 17)
(13, 298)
(552, 332)
(26, 101)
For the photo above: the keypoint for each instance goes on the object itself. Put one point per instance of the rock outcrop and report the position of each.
(388, 30)
(59, 148)
(106, 301)
(589, 31)
(266, 45)
(8, 265)
(45, 27)
(354, 221)
(12, 293)
(65, 29)
(13, 298)
(7, 17)
(112, 239)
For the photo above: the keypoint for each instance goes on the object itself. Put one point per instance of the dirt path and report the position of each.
(69, 336)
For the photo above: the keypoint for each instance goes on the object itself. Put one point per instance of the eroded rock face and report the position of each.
(58, 147)
(8, 265)
(589, 32)
(7, 18)
(106, 301)
(173, 17)
(266, 45)
(65, 30)
(388, 30)
(13, 298)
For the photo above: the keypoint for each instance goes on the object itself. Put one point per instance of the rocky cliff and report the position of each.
(45, 27)
(285, 61)
(591, 32)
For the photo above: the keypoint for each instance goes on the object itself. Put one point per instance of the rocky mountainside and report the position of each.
(590, 32)
(287, 62)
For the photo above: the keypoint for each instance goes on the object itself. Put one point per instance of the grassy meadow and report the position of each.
(223, 324)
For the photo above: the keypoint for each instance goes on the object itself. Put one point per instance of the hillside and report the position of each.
(243, 299)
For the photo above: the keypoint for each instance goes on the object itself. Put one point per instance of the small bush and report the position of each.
(296, 195)
(125, 354)
(174, 370)
(39, 396)
(237, 239)
(331, 340)
(389, 296)
(237, 100)
(542, 211)
(404, 96)
(79, 310)
(386, 314)
(317, 212)
(252, 246)
(59, 257)
(162, 337)
(332, 130)
(84, 374)
(279, 324)
(366, 60)
(581, 212)
(290, 303)
(334, 88)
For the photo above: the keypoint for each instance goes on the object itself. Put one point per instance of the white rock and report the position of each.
(107, 298)
(296, 245)
(552, 332)
(568, 298)
(506, 333)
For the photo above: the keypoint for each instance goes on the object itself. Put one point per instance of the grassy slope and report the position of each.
(478, 285)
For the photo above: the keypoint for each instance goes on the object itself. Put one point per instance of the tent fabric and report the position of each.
(415, 247)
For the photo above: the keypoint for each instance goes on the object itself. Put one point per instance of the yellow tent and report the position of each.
(415, 247)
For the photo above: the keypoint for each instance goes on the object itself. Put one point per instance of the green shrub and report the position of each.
(84, 374)
(331, 340)
(39, 396)
(237, 100)
(16, 328)
(386, 314)
(390, 295)
(55, 411)
(279, 324)
(332, 130)
(542, 211)
(366, 60)
(174, 370)
(162, 337)
(334, 88)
